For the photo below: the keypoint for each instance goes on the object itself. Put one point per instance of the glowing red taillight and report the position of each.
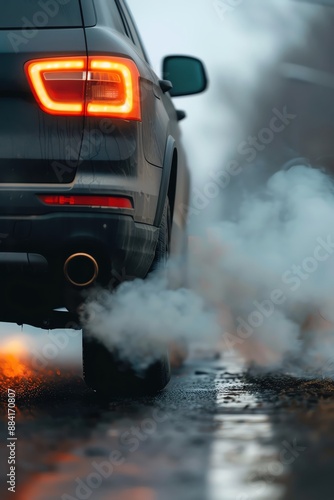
(86, 200)
(58, 84)
(93, 86)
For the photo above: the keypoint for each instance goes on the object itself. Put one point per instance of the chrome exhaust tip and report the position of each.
(81, 269)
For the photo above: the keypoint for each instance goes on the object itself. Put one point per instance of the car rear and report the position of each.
(78, 198)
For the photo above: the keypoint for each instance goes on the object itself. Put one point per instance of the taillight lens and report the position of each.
(93, 86)
(58, 84)
(86, 200)
(113, 88)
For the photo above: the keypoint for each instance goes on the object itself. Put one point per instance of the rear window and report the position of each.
(36, 14)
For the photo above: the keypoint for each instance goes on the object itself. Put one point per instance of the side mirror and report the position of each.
(187, 75)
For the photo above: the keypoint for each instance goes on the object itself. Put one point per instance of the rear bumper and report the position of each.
(33, 251)
(116, 241)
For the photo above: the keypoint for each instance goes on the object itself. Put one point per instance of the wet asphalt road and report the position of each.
(214, 433)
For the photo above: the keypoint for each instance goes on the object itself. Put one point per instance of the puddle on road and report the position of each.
(243, 463)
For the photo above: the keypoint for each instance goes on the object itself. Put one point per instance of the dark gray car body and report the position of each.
(42, 153)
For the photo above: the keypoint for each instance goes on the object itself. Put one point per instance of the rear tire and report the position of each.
(104, 369)
(109, 375)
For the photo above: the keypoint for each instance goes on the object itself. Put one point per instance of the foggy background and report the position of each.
(261, 270)
(250, 232)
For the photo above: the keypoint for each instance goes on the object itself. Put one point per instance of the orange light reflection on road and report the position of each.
(13, 355)
(19, 371)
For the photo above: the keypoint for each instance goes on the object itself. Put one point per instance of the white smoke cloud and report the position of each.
(274, 263)
(143, 317)
(265, 265)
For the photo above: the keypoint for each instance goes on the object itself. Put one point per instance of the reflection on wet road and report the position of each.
(212, 434)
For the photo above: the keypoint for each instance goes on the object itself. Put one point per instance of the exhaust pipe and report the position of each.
(81, 269)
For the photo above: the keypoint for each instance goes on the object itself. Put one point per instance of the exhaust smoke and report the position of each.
(261, 275)
(143, 314)
(274, 267)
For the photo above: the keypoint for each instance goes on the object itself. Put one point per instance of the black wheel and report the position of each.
(110, 375)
